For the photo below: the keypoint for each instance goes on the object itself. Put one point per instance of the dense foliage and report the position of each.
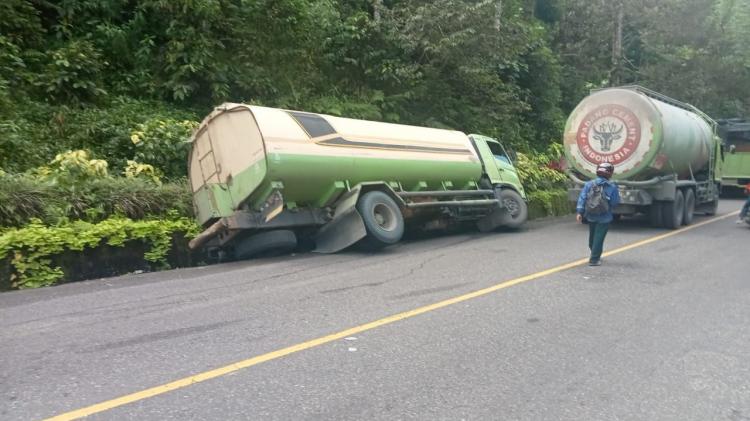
(89, 74)
(74, 204)
(31, 248)
(74, 187)
(25, 198)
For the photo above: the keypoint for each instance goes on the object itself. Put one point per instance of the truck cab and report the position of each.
(497, 164)
(501, 176)
(735, 133)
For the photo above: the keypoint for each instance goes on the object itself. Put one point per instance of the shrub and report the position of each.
(33, 132)
(26, 136)
(24, 197)
(549, 203)
(73, 167)
(142, 171)
(107, 131)
(32, 248)
(141, 198)
(164, 143)
(537, 172)
(73, 74)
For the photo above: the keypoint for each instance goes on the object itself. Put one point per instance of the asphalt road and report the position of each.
(659, 332)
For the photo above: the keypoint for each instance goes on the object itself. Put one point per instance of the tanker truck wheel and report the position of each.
(674, 211)
(687, 217)
(655, 214)
(266, 243)
(517, 211)
(383, 220)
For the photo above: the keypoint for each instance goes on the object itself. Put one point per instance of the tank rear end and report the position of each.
(227, 162)
(642, 135)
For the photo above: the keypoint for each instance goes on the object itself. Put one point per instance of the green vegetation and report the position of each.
(32, 247)
(539, 171)
(23, 198)
(73, 204)
(84, 74)
(545, 203)
(75, 187)
(97, 98)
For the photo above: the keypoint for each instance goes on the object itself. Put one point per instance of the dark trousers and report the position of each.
(597, 232)
(745, 208)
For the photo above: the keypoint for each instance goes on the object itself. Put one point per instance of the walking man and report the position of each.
(595, 203)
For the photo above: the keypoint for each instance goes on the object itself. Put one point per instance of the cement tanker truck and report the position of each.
(262, 178)
(666, 153)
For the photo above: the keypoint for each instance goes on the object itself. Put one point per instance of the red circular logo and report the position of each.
(609, 133)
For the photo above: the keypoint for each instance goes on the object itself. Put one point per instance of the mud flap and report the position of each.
(346, 227)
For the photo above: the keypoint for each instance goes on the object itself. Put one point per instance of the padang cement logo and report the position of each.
(609, 133)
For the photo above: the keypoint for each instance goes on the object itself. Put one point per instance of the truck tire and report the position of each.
(383, 220)
(276, 242)
(517, 211)
(655, 214)
(673, 211)
(687, 217)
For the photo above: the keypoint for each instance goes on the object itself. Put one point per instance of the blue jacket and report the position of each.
(611, 192)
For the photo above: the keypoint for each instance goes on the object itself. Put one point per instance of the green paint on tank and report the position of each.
(306, 179)
(212, 201)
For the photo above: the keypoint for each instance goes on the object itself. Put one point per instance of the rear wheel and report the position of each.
(269, 242)
(655, 214)
(516, 210)
(383, 220)
(687, 217)
(672, 212)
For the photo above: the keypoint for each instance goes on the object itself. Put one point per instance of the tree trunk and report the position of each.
(498, 13)
(616, 74)
(376, 7)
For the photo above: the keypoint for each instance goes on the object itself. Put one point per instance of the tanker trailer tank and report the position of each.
(263, 177)
(666, 154)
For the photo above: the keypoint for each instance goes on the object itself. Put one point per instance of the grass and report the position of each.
(23, 198)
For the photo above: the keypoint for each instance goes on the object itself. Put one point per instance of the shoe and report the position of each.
(595, 262)
(739, 221)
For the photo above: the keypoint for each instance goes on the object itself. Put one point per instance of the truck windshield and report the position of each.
(499, 152)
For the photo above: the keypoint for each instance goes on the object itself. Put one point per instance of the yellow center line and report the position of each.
(221, 371)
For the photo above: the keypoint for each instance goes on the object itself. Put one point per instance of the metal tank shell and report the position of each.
(240, 153)
(640, 134)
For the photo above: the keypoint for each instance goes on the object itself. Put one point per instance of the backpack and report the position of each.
(596, 202)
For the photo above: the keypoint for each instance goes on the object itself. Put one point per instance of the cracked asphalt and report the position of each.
(659, 332)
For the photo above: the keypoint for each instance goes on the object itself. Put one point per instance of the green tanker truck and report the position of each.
(666, 153)
(262, 178)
